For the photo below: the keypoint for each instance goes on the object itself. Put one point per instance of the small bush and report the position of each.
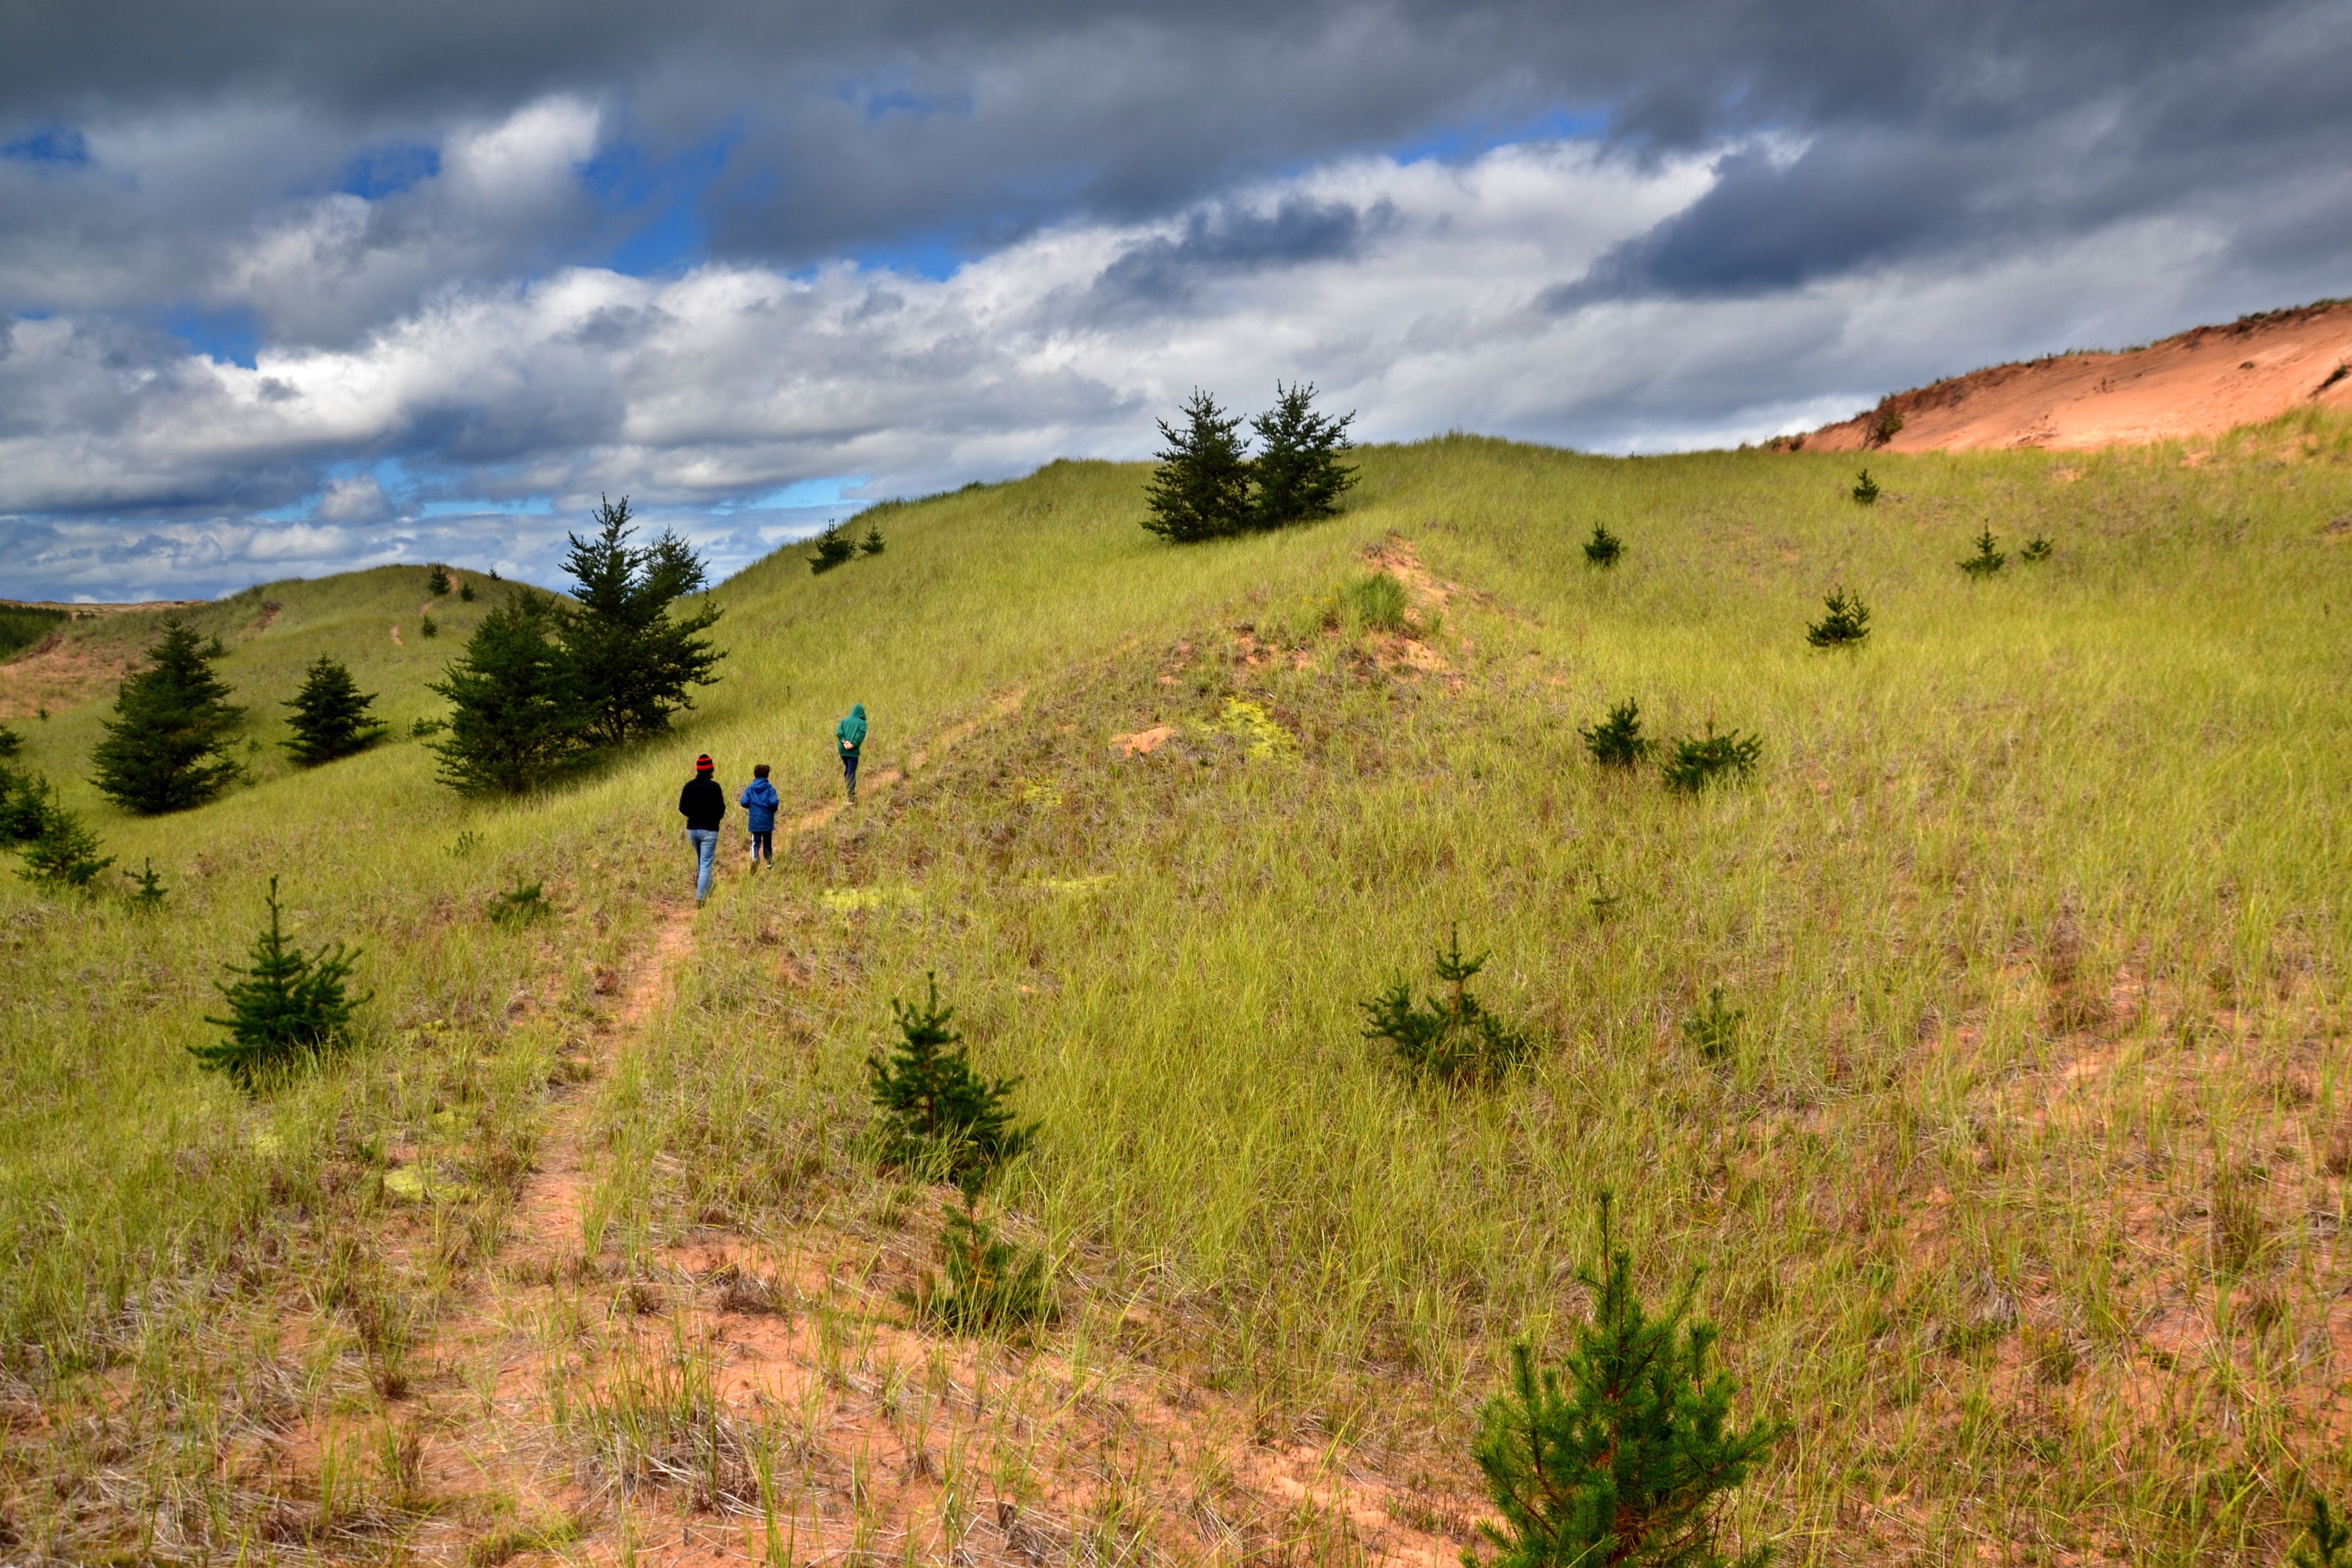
(1699, 761)
(465, 592)
(149, 892)
(437, 582)
(1378, 603)
(289, 1006)
(428, 627)
(521, 904)
(873, 545)
(2037, 549)
(1617, 741)
(1622, 1455)
(1884, 427)
(992, 1283)
(939, 1116)
(1714, 1030)
(1450, 1038)
(1603, 548)
(832, 548)
(1846, 624)
(1986, 560)
(1866, 489)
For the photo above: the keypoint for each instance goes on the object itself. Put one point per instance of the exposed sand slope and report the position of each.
(2202, 381)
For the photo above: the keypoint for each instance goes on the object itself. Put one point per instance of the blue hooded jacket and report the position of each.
(759, 798)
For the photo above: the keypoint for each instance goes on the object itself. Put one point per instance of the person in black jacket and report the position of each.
(704, 805)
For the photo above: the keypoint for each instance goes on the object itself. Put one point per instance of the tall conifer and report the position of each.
(1201, 488)
(630, 660)
(167, 747)
(330, 715)
(1297, 472)
(513, 719)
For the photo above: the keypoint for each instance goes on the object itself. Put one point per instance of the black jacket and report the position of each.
(702, 803)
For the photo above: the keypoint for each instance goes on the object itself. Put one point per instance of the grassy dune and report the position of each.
(2021, 1192)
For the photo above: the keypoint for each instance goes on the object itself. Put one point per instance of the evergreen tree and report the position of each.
(834, 548)
(1297, 474)
(25, 806)
(1986, 560)
(149, 890)
(289, 1005)
(2327, 1543)
(1450, 1038)
(1201, 488)
(330, 715)
(1623, 1456)
(513, 720)
(11, 742)
(1603, 548)
(437, 582)
(1617, 741)
(2037, 549)
(64, 853)
(1846, 624)
(937, 1112)
(1714, 1029)
(167, 747)
(873, 545)
(1866, 489)
(630, 662)
(992, 1283)
(1698, 761)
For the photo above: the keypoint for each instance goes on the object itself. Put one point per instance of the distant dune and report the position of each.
(2199, 383)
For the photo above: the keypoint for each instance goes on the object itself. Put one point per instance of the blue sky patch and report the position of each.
(59, 146)
(231, 335)
(388, 170)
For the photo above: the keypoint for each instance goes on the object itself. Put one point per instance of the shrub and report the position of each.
(64, 853)
(937, 1114)
(291, 1004)
(1866, 489)
(1986, 560)
(149, 891)
(1377, 602)
(1846, 624)
(1883, 428)
(514, 717)
(1603, 548)
(1298, 475)
(628, 658)
(428, 627)
(1450, 1038)
(2037, 549)
(1714, 1030)
(521, 904)
(1617, 741)
(1698, 761)
(1201, 488)
(167, 747)
(1623, 1456)
(465, 592)
(873, 545)
(331, 716)
(437, 582)
(992, 1283)
(832, 548)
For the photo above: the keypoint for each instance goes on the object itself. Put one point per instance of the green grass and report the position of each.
(22, 626)
(2019, 1266)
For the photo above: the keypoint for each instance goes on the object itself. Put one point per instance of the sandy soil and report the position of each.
(2200, 382)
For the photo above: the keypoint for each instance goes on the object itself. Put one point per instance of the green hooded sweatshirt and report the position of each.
(851, 732)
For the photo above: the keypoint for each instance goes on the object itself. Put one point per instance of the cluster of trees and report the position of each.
(1210, 485)
(544, 686)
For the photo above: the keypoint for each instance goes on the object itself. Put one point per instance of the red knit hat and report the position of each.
(702, 764)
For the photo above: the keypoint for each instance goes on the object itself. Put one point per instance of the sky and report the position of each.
(288, 288)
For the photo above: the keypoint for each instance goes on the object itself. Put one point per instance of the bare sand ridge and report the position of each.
(2202, 381)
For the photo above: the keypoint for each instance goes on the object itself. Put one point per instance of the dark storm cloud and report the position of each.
(1164, 270)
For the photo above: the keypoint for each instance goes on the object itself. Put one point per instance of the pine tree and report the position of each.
(1866, 489)
(437, 582)
(873, 545)
(25, 805)
(937, 1112)
(149, 891)
(2327, 1543)
(167, 747)
(1603, 548)
(1986, 560)
(834, 548)
(514, 720)
(330, 715)
(1450, 1038)
(1623, 1456)
(1847, 623)
(1201, 487)
(2037, 549)
(64, 853)
(1698, 761)
(11, 742)
(630, 662)
(1298, 475)
(1617, 741)
(289, 1006)
(992, 1283)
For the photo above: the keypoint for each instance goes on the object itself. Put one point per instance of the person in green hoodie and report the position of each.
(848, 735)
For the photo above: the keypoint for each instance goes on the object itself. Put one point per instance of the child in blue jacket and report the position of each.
(758, 800)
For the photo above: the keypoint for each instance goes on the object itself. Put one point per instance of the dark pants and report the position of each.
(763, 844)
(849, 772)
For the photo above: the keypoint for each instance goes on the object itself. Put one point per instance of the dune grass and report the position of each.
(2017, 1186)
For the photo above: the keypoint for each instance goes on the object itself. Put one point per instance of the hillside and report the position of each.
(2199, 383)
(2021, 1185)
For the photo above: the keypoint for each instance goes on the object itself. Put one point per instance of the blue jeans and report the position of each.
(849, 772)
(706, 850)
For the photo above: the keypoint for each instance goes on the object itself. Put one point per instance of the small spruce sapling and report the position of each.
(1451, 1037)
(1617, 741)
(1700, 760)
(148, 892)
(428, 627)
(1846, 624)
(2037, 549)
(25, 807)
(832, 548)
(1603, 548)
(289, 1005)
(992, 1283)
(2326, 1543)
(1986, 560)
(465, 592)
(437, 582)
(1621, 1456)
(873, 545)
(63, 854)
(1866, 489)
(1714, 1030)
(937, 1114)
(521, 904)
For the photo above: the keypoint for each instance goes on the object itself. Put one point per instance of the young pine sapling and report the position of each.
(1846, 623)
(289, 1006)
(1986, 560)
(1866, 489)
(1450, 1038)
(1617, 741)
(1603, 548)
(1700, 760)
